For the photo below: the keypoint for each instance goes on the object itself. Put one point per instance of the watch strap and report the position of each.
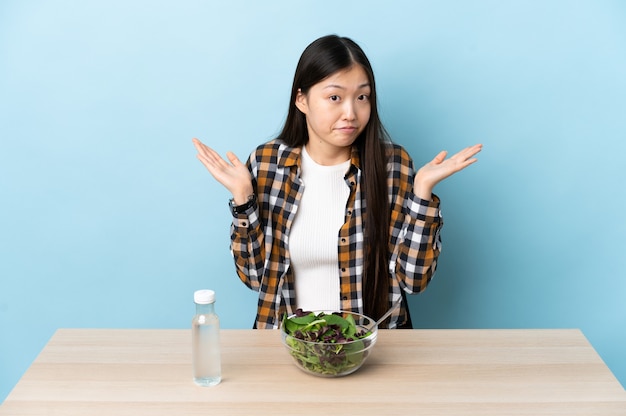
(240, 209)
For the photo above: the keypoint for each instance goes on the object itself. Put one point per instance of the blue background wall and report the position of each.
(108, 220)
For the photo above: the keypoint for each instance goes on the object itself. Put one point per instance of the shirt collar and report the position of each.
(356, 157)
(291, 157)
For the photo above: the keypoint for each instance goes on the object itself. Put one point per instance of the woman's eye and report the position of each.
(334, 98)
(363, 97)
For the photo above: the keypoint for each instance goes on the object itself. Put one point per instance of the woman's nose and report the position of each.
(348, 111)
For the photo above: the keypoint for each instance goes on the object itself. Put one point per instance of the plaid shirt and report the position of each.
(259, 237)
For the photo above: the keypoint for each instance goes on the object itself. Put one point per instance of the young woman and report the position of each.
(331, 215)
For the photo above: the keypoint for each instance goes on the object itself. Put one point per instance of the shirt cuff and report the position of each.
(424, 210)
(244, 219)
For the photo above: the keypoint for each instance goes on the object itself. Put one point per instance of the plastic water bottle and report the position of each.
(205, 334)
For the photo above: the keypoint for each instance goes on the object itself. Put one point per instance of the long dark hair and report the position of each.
(322, 58)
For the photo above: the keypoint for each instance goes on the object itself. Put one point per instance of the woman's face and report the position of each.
(337, 110)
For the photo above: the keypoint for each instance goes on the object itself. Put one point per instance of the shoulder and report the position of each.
(399, 159)
(274, 152)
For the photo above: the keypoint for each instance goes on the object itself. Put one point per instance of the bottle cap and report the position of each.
(204, 296)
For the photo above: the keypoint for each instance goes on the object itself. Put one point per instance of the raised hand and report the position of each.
(440, 168)
(233, 174)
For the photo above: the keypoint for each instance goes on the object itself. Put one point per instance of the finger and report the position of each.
(212, 160)
(440, 157)
(465, 163)
(468, 152)
(469, 162)
(198, 144)
(207, 154)
(211, 164)
(201, 147)
(472, 150)
(233, 159)
(206, 151)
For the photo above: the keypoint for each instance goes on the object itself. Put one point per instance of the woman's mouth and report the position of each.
(347, 129)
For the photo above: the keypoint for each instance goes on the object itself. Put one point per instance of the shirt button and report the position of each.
(349, 212)
(343, 240)
(244, 224)
(344, 298)
(343, 269)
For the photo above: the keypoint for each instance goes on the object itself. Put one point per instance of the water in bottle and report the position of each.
(205, 329)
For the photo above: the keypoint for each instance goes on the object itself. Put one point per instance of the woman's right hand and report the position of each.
(234, 175)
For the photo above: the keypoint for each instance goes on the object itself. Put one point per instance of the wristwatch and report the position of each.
(240, 209)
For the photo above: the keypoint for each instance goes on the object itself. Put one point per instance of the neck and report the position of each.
(328, 155)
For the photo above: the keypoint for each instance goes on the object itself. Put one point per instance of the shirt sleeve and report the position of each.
(247, 242)
(419, 245)
(415, 229)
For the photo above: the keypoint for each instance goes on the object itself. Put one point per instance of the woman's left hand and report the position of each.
(440, 168)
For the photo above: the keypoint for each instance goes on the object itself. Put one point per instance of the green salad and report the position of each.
(325, 344)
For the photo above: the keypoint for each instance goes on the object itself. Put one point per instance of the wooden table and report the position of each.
(410, 372)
